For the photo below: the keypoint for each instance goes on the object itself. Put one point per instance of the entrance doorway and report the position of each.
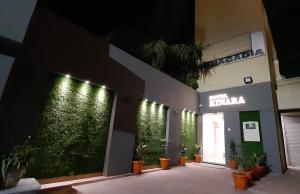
(291, 134)
(213, 138)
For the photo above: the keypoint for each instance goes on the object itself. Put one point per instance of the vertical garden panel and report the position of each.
(151, 127)
(73, 129)
(189, 132)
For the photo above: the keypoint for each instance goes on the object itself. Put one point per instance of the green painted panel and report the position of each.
(72, 132)
(151, 128)
(248, 147)
(189, 132)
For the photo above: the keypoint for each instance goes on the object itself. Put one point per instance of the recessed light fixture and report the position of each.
(162, 105)
(154, 102)
(87, 82)
(68, 76)
(103, 86)
(184, 109)
(146, 99)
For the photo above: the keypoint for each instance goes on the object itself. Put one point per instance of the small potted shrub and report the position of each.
(182, 155)
(197, 155)
(247, 164)
(233, 162)
(138, 158)
(259, 164)
(13, 165)
(164, 160)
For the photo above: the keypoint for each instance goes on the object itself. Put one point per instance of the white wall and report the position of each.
(226, 28)
(288, 93)
(6, 63)
(15, 16)
(232, 75)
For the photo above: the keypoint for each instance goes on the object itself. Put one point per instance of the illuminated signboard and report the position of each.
(224, 100)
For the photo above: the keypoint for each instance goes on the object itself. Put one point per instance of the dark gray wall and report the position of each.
(6, 63)
(163, 89)
(15, 16)
(53, 44)
(257, 97)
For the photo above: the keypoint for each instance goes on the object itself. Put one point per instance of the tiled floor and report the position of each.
(192, 179)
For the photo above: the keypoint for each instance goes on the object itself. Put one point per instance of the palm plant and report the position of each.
(14, 164)
(156, 50)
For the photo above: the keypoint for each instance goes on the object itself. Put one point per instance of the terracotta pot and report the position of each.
(240, 180)
(233, 164)
(249, 174)
(198, 158)
(260, 171)
(164, 163)
(137, 166)
(257, 172)
(182, 160)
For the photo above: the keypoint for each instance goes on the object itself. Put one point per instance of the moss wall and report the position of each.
(72, 133)
(189, 132)
(151, 126)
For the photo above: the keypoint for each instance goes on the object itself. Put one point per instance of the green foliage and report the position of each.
(197, 149)
(140, 151)
(15, 162)
(189, 132)
(72, 133)
(183, 150)
(157, 51)
(260, 159)
(164, 147)
(233, 152)
(151, 129)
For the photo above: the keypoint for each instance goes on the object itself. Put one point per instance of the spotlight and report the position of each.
(68, 76)
(103, 87)
(146, 99)
(87, 82)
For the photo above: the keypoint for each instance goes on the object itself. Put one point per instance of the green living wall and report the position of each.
(73, 128)
(189, 132)
(151, 127)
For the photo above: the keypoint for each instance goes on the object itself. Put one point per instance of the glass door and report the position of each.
(213, 138)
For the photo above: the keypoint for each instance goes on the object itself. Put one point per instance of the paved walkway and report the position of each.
(192, 179)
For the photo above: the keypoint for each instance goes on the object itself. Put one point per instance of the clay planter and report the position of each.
(182, 160)
(249, 174)
(233, 164)
(257, 172)
(137, 166)
(198, 158)
(164, 163)
(240, 180)
(260, 171)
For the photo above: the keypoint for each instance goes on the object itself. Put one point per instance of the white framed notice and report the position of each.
(251, 131)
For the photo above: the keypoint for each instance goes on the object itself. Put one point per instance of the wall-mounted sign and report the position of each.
(235, 58)
(258, 49)
(224, 100)
(251, 131)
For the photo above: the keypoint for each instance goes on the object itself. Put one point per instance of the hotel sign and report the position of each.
(235, 58)
(224, 100)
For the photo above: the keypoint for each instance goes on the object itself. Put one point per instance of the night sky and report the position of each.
(173, 21)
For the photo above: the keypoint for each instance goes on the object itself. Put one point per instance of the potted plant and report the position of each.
(241, 180)
(233, 162)
(182, 155)
(164, 160)
(138, 158)
(259, 164)
(197, 155)
(13, 165)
